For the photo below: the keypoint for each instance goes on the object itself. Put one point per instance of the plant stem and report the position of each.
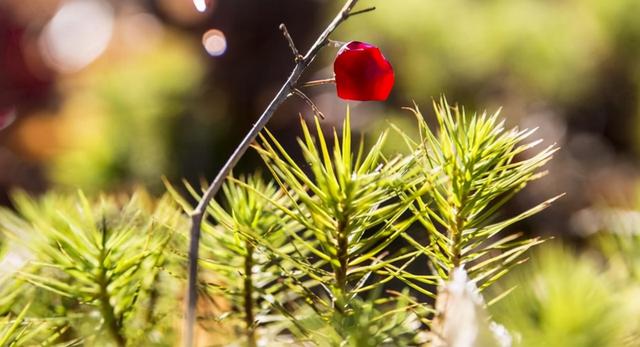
(154, 295)
(315, 83)
(342, 252)
(107, 311)
(456, 233)
(249, 316)
(457, 241)
(197, 214)
(343, 256)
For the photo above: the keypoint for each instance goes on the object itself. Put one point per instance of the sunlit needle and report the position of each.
(201, 5)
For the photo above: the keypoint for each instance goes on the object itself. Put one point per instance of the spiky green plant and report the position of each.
(312, 257)
(247, 257)
(20, 331)
(352, 207)
(475, 166)
(95, 266)
(388, 321)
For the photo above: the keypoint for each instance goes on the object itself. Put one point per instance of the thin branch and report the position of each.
(297, 92)
(368, 9)
(197, 215)
(315, 83)
(296, 55)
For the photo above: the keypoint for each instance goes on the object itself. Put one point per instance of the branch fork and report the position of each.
(288, 88)
(297, 57)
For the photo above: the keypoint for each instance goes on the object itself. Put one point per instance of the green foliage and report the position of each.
(566, 300)
(382, 322)
(20, 331)
(246, 254)
(353, 208)
(95, 266)
(130, 133)
(313, 256)
(475, 166)
(526, 47)
(613, 232)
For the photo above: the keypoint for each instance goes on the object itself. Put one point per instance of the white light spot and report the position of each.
(201, 5)
(214, 42)
(78, 34)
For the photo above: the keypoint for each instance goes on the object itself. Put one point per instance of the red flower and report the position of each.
(362, 72)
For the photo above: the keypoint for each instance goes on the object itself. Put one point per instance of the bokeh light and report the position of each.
(140, 31)
(214, 42)
(78, 34)
(522, 55)
(182, 11)
(7, 116)
(201, 5)
(104, 95)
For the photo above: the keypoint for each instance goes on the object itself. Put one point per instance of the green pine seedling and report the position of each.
(95, 265)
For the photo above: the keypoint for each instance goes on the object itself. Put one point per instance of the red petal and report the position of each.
(362, 72)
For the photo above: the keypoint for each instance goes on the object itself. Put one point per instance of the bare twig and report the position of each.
(197, 215)
(331, 80)
(368, 9)
(297, 92)
(296, 55)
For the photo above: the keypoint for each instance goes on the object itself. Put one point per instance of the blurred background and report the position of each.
(107, 94)
(103, 94)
